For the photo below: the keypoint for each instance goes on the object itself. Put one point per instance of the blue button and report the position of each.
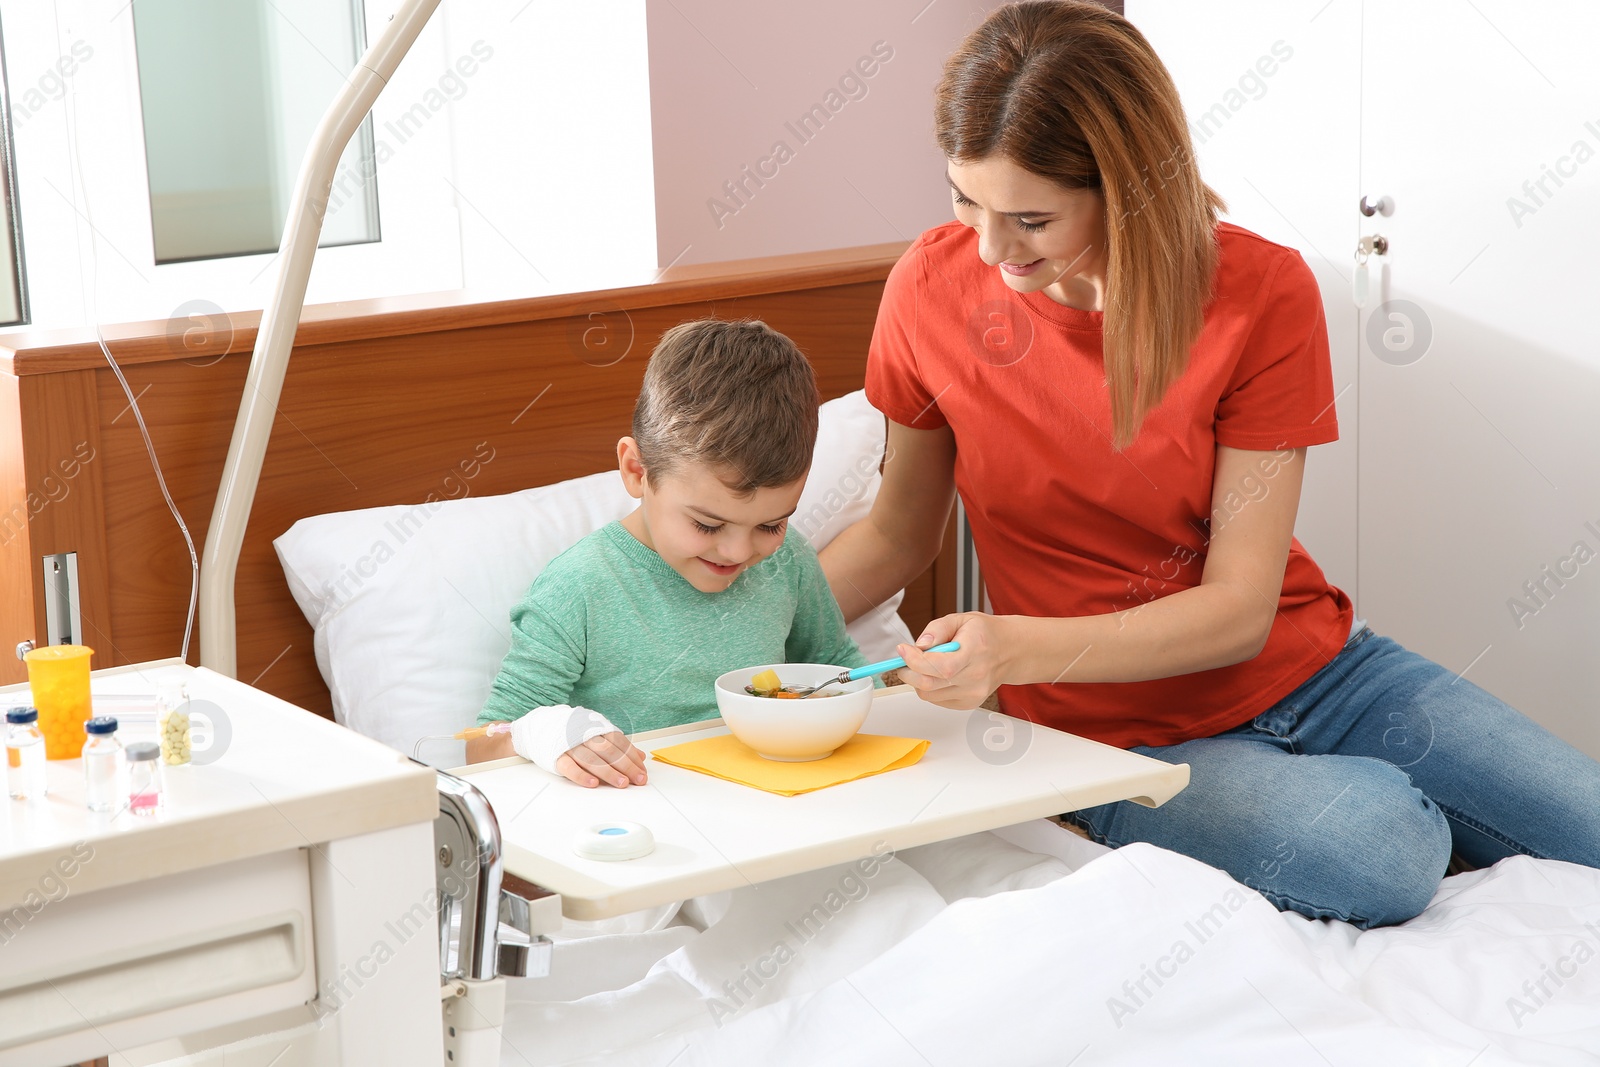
(612, 831)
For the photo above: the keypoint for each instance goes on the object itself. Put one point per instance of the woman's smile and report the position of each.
(1042, 237)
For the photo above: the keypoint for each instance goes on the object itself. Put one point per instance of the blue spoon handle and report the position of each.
(894, 664)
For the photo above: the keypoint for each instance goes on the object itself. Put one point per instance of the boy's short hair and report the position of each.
(737, 396)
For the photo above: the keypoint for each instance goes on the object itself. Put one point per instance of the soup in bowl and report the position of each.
(794, 730)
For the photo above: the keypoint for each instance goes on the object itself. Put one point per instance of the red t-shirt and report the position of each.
(1066, 526)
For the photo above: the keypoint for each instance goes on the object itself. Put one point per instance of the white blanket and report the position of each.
(978, 951)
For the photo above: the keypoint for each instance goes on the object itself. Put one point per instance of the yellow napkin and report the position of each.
(725, 756)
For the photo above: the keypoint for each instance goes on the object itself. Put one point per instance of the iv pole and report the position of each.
(279, 321)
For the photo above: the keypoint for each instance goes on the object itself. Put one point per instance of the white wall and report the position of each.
(729, 85)
(1282, 149)
(552, 145)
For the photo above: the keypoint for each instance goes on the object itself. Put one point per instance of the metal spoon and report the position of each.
(864, 672)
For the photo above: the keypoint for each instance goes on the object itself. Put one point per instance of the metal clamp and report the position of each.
(526, 910)
(522, 953)
(489, 921)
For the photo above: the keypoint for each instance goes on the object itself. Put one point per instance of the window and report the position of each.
(231, 92)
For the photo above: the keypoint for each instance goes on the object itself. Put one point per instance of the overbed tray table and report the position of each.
(981, 772)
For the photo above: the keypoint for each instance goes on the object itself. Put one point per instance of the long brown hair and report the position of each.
(1072, 92)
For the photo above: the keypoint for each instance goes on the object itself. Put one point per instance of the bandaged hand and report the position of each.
(579, 744)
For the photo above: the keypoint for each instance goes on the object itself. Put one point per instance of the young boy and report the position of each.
(631, 626)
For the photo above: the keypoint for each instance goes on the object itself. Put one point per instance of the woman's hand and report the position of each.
(609, 758)
(963, 679)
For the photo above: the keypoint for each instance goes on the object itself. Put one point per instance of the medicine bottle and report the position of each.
(103, 765)
(172, 724)
(144, 777)
(25, 777)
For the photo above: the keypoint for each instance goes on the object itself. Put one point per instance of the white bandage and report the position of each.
(544, 735)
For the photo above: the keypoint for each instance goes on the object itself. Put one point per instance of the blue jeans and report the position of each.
(1345, 799)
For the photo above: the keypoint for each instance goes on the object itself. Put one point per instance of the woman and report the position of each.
(1123, 389)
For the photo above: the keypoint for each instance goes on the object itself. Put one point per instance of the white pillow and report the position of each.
(411, 606)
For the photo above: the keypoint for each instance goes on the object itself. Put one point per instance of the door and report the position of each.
(1479, 365)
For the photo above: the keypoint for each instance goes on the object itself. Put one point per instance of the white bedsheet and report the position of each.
(979, 951)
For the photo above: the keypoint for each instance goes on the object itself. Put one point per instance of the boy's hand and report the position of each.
(609, 758)
(581, 745)
(495, 746)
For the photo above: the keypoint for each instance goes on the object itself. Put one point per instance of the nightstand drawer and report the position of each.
(86, 973)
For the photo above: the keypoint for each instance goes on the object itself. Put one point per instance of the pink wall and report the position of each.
(729, 86)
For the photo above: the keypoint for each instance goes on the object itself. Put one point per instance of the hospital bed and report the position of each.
(976, 967)
(784, 951)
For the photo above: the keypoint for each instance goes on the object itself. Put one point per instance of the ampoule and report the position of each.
(102, 765)
(25, 775)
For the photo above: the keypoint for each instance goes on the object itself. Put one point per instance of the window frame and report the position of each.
(11, 187)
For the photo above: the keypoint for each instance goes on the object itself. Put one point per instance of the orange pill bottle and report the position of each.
(58, 675)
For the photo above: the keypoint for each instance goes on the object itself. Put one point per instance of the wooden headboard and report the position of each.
(386, 402)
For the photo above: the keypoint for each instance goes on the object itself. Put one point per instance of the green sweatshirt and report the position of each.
(610, 626)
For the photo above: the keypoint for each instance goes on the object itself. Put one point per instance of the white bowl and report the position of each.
(793, 731)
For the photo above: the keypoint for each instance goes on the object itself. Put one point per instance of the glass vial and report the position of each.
(172, 724)
(102, 765)
(144, 777)
(24, 755)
